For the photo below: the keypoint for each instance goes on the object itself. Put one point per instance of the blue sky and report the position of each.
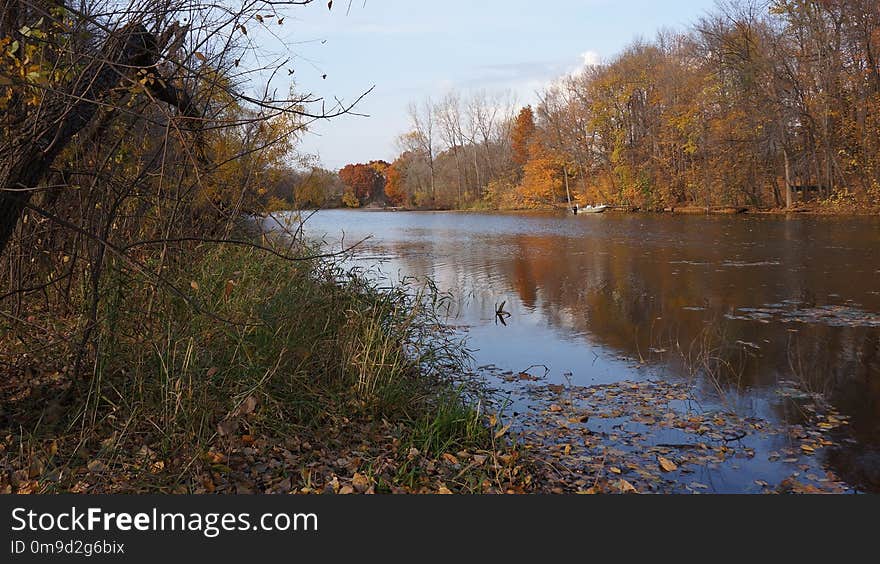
(412, 49)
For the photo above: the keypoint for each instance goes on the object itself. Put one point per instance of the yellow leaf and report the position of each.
(360, 482)
(666, 465)
(626, 487)
(614, 470)
(194, 285)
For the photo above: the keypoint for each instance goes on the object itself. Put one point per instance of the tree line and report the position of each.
(757, 104)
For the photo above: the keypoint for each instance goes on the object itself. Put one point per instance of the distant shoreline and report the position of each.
(676, 210)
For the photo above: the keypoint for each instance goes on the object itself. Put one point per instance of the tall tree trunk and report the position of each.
(567, 191)
(788, 195)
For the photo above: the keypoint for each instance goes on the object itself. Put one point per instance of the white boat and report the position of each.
(589, 209)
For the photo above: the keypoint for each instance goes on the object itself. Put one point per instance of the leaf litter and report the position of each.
(654, 437)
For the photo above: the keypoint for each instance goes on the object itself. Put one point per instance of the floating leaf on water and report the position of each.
(666, 465)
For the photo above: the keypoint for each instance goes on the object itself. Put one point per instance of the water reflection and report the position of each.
(760, 299)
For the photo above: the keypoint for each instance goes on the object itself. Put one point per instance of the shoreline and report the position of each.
(680, 211)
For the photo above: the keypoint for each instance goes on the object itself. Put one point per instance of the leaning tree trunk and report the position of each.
(29, 157)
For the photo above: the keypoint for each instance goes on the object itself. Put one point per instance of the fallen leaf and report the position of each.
(227, 427)
(666, 465)
(614, 470)
(626, 487)
(450, 458)
(444, 491)
(360, 482)
(96, 466)
(194, 285)
(248, 406)
(555, 408)
(36, 468)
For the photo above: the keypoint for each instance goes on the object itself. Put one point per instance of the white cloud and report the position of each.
(591, 59)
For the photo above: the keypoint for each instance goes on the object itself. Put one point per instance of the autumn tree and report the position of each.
(757, 104)
(364, 181)
(394, 185)
(522, 135)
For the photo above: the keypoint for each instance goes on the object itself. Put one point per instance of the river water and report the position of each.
(744, 308)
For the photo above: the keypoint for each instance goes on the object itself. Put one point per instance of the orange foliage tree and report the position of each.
(395, 190)
(543, 182)
(521, 136)
(364, 181)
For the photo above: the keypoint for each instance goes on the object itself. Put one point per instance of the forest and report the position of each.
(759, 104)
